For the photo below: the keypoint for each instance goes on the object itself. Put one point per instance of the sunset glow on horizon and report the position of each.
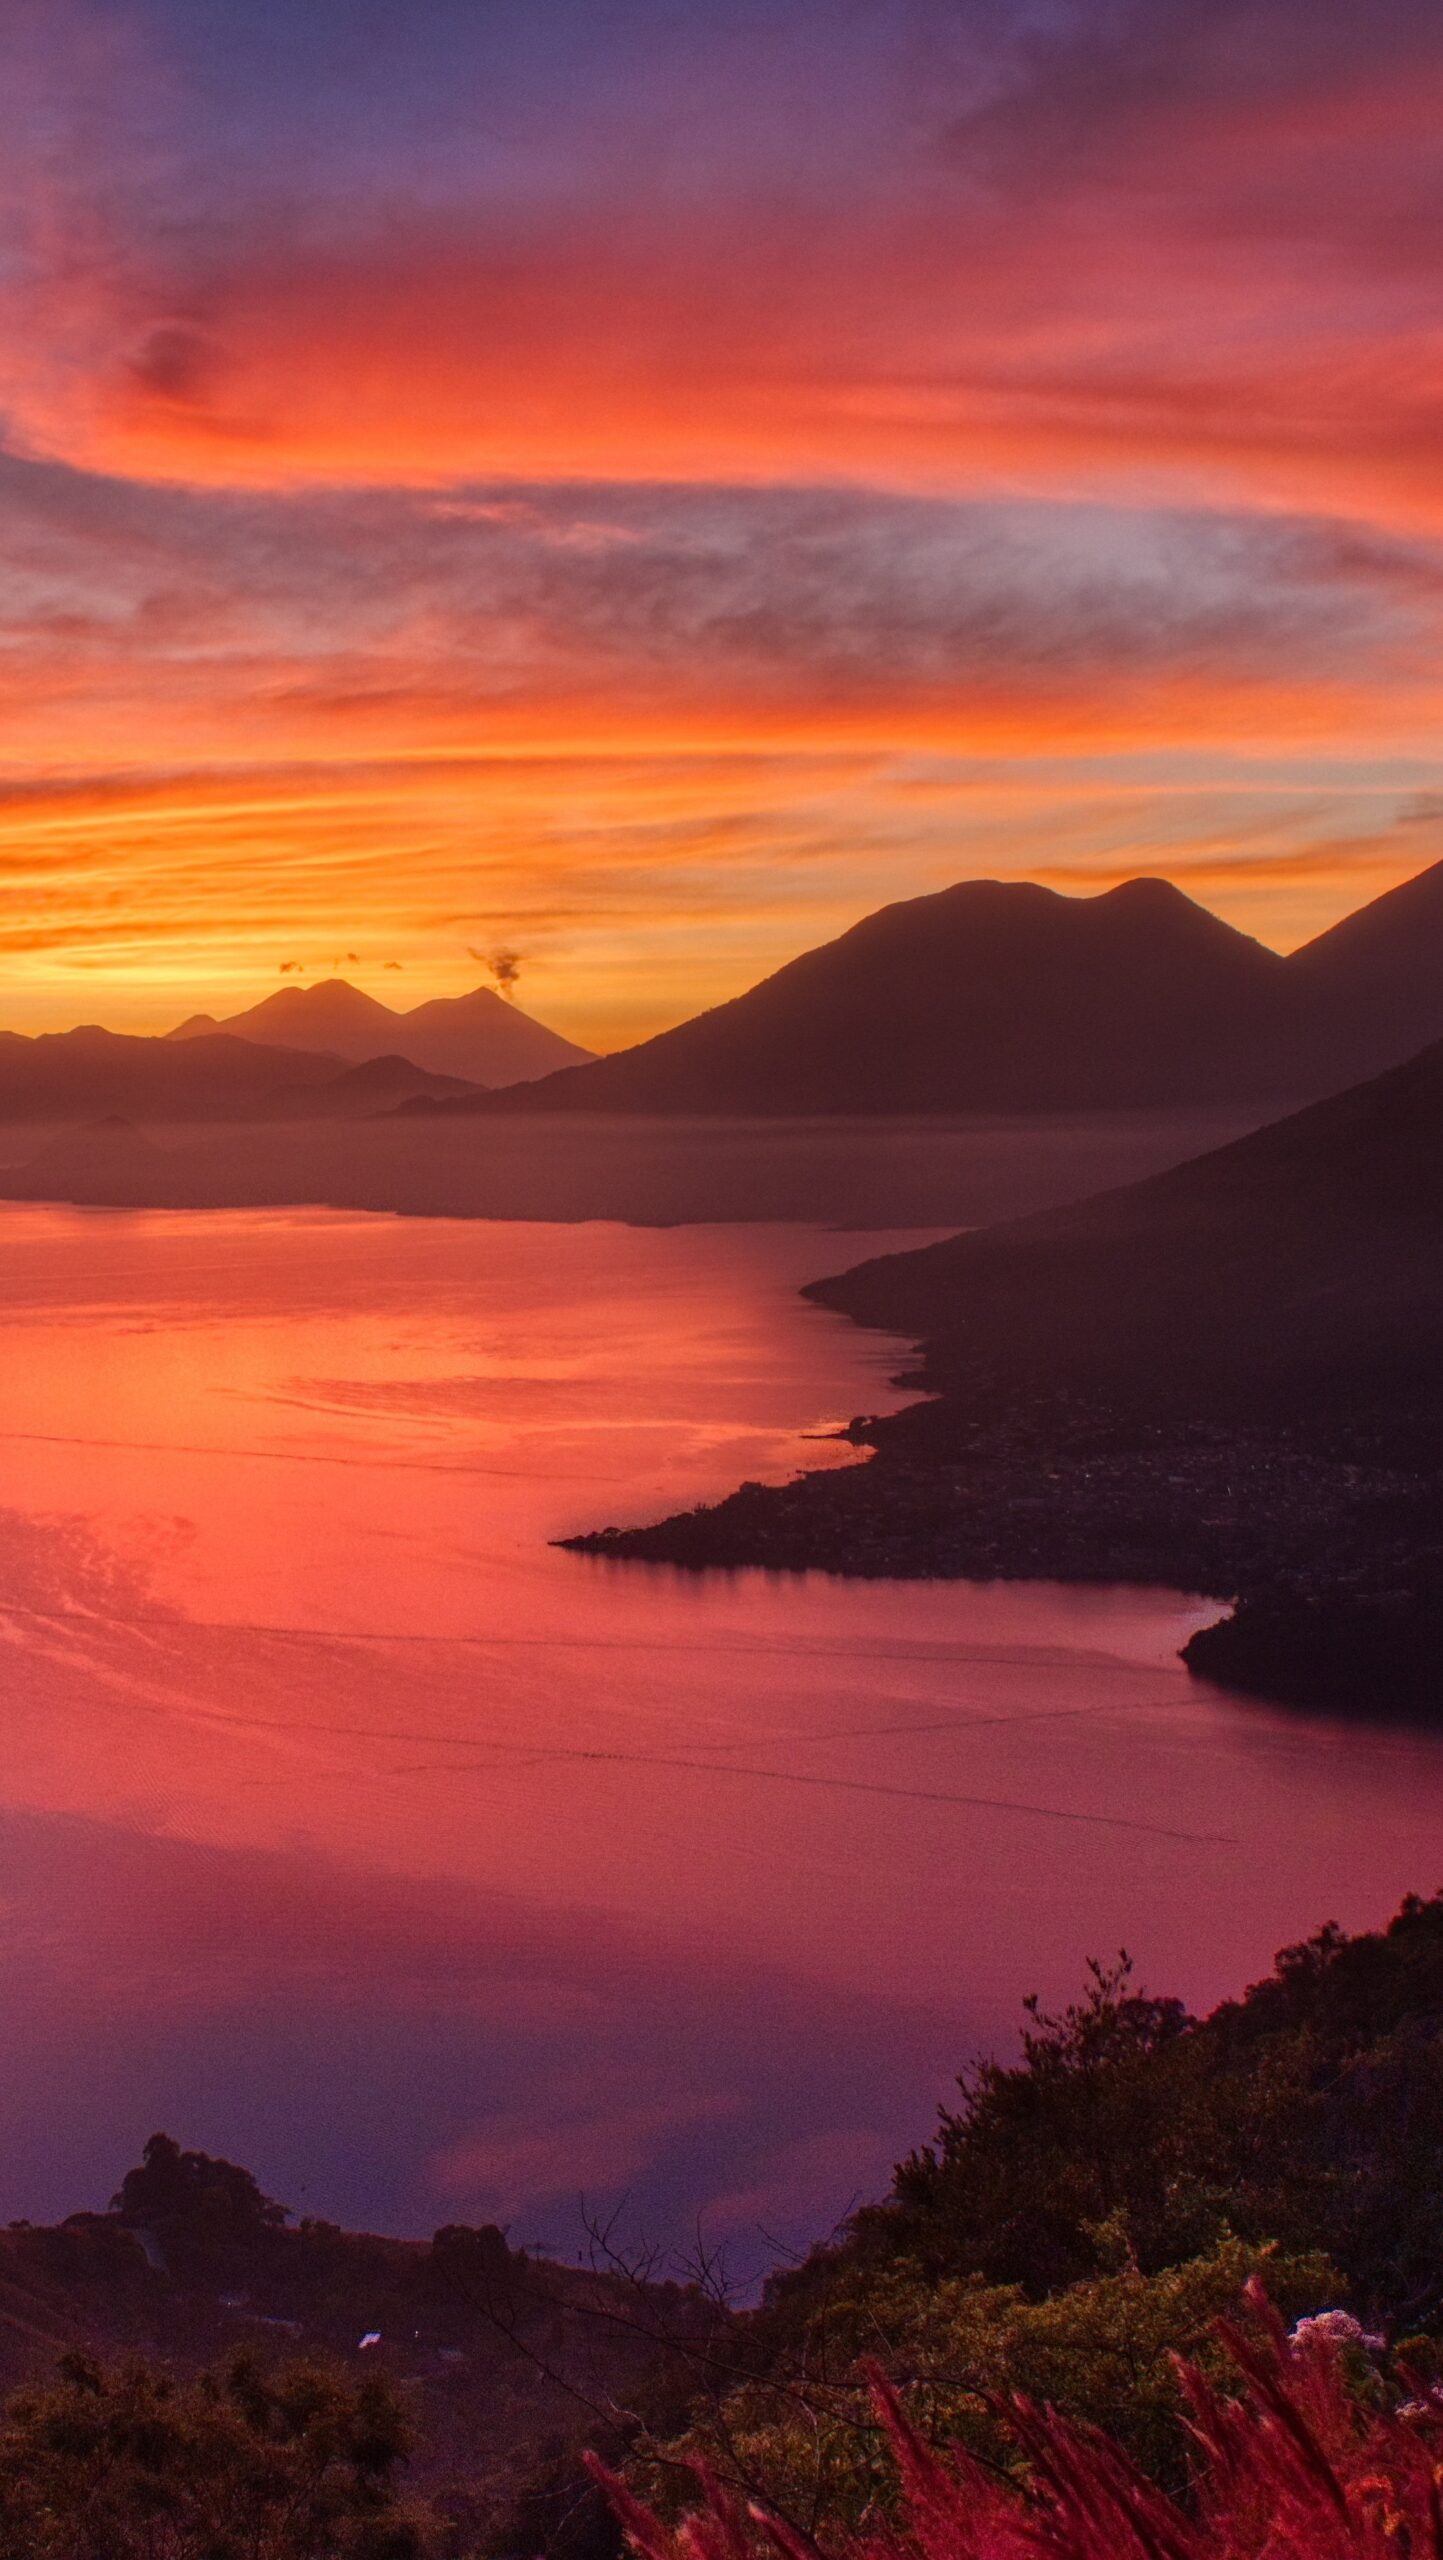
(647, 485)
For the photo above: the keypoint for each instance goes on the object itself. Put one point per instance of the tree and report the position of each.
(172, 2185)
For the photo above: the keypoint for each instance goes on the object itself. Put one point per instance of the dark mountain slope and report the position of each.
(1301, 1263)
(1377, 977)
(1228, 1378)
(991, 996)
(477, 1037)
(1008, 997)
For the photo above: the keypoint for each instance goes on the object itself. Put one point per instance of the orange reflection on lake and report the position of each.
(350, 1828)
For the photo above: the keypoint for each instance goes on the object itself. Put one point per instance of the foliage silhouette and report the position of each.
(134, 2464)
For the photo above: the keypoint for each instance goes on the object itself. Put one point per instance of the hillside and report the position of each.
(990, 996)
(506, 2359)
(1088, 2205)
(478, 1037)
(1299, 1267)
(1378, 975)
(358, 1093)
(76, 1075)
(1227, 1378)
(1080, 2217)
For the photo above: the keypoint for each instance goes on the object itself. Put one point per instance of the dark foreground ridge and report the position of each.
(1228, 1378)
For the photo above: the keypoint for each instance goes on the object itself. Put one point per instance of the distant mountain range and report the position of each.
(73, 1075)
(479, 1037)
(1007, 997)
(989, 998)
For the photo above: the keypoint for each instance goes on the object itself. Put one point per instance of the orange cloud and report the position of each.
(643, 886)
(620, 512)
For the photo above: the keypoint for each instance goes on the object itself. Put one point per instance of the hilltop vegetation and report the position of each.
(1086, 2212)
(138, 2464)
(1303, 2449)
(502, 2363)
(1084, 2216)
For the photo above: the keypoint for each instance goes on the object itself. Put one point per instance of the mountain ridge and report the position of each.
(478, 1037)
(999, 998)
(1009, 996)
(1304, 1244)
(90, 1074)
(1226, 1378)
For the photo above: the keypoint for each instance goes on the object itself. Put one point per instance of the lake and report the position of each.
(351, 1830)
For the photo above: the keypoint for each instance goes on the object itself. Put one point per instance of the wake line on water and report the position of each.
(921, 1652)
(523, 1756)
(372, 1463)
(841, 1786)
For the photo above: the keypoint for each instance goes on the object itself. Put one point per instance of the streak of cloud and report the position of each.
(932, 243)
(667, 480)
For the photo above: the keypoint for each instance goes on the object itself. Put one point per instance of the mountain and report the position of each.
(1229, 1377)
(1226, 1379)
(478, 1037)
(330, 1016)
(990, 996)
(77, 1075)
(361, 1093)
(104, 1076)
(1004, 996)
(1377, 977)
(1299, 1268)
(482, 1037)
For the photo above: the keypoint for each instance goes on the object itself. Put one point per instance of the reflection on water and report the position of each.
(349, 1828)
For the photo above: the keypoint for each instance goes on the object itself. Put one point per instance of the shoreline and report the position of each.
(1322, 1559)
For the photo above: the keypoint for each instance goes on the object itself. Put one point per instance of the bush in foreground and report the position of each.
(1305, 2461)
(802, 2435)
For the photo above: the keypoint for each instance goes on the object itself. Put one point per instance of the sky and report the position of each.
(640, 483)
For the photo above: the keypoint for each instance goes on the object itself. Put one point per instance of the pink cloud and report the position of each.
(567, 2143)
(1188, 241)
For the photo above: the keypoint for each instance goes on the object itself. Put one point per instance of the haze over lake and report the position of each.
(352, 1830)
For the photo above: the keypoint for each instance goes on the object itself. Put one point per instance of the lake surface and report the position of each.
(349, 1829)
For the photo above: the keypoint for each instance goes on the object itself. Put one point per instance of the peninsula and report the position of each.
(1228, 1377)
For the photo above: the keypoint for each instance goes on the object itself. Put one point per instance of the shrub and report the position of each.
(1302, 2464)
(803, 2435)
(133, 2464)
(1308, 2112)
